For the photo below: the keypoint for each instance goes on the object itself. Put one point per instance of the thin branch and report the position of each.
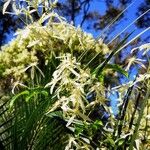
(73, 11)
(85, 11)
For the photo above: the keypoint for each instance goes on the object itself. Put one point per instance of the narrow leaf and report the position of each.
(117, 68)
(119, 47)
(17, 96)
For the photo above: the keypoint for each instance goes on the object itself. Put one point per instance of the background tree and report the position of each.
(80, 12)
(8, 24)
(145, 20)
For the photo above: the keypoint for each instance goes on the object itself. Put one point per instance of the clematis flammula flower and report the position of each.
(134, 60)
(16, 84)
(145, 48)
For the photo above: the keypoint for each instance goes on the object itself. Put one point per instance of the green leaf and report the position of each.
(17, 96)
(45, 93)
(120, 142)
(118, 69)
(118, 48)
(36, 92)
(54, 114)
(98, 123)
(101, 78)
(78, 130)
(110, 141)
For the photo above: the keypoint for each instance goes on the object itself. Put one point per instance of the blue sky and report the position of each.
(129, 17)
(100, 6)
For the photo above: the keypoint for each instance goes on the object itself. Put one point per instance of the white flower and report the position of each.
(134, 60)
(144, 47)
(17, 83)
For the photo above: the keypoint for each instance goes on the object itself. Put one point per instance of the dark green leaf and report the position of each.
(101, 66)
(117, 68)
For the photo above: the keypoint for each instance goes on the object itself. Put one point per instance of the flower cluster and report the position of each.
(51, 40)
(69, 86)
